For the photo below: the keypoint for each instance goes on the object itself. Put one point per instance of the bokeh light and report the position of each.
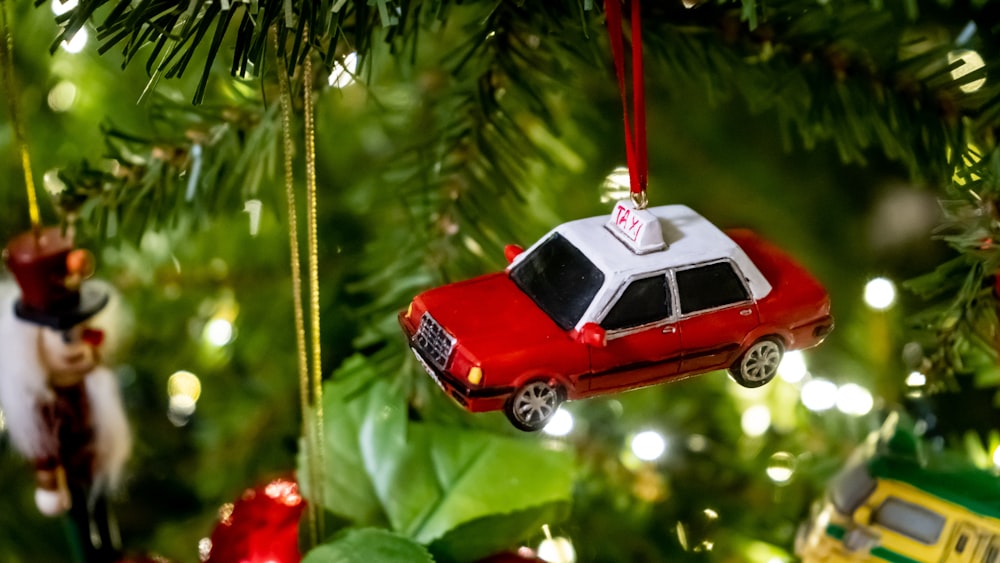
(616, 186)
(648, 445)
(342, 74)
(793, 366)
(781, 467)
(756, 420)
(880, 294)
(557, 550)
(60, 7)
(561, 423)
(62, 96)
(77, 42)
(996, 456)
(819, 395)
(183, 390)
(854, 399)
(219, 332)
(971, 62)
(916, 379)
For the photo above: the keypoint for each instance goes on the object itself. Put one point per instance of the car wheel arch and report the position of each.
(540, 397)
(758, 348)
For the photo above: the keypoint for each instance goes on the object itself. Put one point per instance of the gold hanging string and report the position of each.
(313, 263)
(7, 62)
(285, 97)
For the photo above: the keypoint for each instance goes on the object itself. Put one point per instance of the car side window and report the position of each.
(708, 287)
(644, 301)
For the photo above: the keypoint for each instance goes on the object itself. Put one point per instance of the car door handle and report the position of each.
(746, 312)
(669, 329)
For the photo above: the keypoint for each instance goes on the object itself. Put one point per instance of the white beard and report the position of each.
(24, 386)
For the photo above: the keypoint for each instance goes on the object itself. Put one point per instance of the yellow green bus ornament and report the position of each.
(889, 503)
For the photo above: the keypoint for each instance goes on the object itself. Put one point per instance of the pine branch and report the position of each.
(858, 76)
(458, 185)
(961, 321)
(195, 163)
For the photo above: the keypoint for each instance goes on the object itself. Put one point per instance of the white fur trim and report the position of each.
(113, 441)
(23, 384)
(51, 503)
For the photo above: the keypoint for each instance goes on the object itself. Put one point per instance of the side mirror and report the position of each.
(593, 335)
(863, 515)
(511, 251)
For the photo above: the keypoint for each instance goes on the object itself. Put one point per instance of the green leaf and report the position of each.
(424, 480)
(470, 541)
(369, 545)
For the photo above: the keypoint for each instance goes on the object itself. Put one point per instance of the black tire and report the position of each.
(531, 407)
(759, 364)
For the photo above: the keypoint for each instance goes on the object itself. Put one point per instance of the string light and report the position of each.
(62, 96)
(819, 395)
(59, 7)
(854, 399)
(557, 550)
(793, 366)
(971, 62)
(342, 75)
(648, 445)
(756, 420)
(561, 423)
(880, 294)
(781, 468)
(184, 389)
(616, 186)
(218, 332)
(77, 42)
(916, 379)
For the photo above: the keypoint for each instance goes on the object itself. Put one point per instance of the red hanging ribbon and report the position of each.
(635, 147)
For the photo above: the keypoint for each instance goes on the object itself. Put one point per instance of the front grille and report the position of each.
(434, 342)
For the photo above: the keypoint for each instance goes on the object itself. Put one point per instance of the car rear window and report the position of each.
(709, 286)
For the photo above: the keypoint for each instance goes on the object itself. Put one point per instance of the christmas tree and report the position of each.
(416, 140)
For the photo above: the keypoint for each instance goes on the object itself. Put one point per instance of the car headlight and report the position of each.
(475, 375)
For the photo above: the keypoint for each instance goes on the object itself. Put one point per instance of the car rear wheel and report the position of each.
(759, 364)
(531, 407)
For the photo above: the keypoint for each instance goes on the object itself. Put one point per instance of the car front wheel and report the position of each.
(531, 407)
(759, 363)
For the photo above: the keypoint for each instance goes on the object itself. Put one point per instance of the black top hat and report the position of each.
(50, 274)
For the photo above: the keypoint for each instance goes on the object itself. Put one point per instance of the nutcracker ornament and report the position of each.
(62, 407)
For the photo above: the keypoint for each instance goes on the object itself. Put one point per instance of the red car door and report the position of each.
(716, 314)
(643, 344)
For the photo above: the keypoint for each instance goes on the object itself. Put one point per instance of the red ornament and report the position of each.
(523, 555)
(603, 305)
(261, 527)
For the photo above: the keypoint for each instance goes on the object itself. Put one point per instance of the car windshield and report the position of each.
(559, 279)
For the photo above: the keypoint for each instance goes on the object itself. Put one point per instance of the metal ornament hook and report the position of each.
(639, 199)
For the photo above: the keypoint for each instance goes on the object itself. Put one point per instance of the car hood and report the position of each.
(490, 316)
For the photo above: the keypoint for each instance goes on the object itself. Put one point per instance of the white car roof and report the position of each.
(690, 239)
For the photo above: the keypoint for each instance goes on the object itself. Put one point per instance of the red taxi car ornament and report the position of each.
(602, 305)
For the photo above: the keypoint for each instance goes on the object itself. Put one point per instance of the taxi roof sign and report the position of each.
(637, 228)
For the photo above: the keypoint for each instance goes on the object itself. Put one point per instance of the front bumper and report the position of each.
(473, 399)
